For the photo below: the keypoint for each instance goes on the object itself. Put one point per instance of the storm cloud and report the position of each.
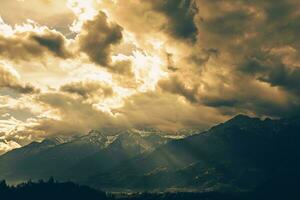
(169, 64)
(97, 38)
(31, 45)
(180, 15)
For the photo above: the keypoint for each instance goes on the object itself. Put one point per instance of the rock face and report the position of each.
(241, 154)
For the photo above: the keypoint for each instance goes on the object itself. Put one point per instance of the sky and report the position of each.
(70, 66)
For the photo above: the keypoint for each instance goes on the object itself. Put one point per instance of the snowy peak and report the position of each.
(146, 140)
(97, 138)
(144, 132)
(56, 140)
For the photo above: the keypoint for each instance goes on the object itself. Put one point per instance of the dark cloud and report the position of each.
(24, 89)
(166, 111)
(9, 80)
(170, 61)
(274, 72)
(241, 93)
(55, 43)
(220, 102)
(97, 38)
(30, 45)
(88, 89)
(246, 49)
(231, 24)
(221, 57)
(180, 15)
(175, 86)
(123, 67)
(235, 93)
(201, 57)
(244, 28)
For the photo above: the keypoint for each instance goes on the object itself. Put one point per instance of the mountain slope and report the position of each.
(91, 154)
(38, 160)
(239, 154)
(125, 145)
(11, 163)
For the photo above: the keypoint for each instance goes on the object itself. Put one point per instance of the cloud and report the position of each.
(7, 146)
(9, 79)
(180, 17)
(272, 70)
(169, 64)
(122, 67)
(232, 93)
(88, 89)
(72, 116)
(54, 14)
(242, 94)
(166, 111)
(29, 45)
(244, 49)
(97, 38)
(55, 43)
(175, 86)
(70, 112)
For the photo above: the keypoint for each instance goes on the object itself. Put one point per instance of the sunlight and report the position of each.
(148, 70)
(84, 10)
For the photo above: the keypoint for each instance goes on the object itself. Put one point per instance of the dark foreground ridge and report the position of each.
(54, 190)
(50, 190)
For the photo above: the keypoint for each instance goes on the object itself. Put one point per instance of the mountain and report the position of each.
(241, 154)
(123, 146)
(68, 158)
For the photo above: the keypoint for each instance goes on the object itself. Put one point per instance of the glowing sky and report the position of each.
(69, 66)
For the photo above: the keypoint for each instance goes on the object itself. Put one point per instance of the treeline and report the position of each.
(50, 190)
(53, 190)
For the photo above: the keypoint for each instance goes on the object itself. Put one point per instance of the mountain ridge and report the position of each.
(236, 154)
(57, 156)
(239, 154)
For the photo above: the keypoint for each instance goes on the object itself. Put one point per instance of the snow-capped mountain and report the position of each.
(94, 152)
(242, 150)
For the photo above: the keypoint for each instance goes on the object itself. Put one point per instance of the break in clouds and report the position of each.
(69, 66)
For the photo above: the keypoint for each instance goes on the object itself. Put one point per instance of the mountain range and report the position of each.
(242, 154)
